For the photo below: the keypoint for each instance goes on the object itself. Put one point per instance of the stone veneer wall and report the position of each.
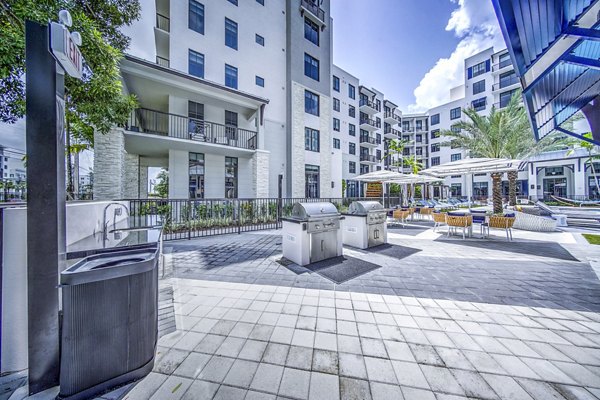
(109, 165)
(131, 184)
(260, 173)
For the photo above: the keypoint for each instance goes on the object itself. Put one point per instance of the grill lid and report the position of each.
(305, 211)
(365, 207)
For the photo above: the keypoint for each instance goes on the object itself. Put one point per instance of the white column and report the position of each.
(260, 173)
(579, 184)
(178, 174)
(214, 176)
(532, 181)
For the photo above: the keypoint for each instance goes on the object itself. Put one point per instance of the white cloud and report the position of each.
(475, 23)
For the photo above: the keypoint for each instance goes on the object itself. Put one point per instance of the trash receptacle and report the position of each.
(109, 321)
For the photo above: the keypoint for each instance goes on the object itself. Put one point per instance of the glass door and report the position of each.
(555, 187)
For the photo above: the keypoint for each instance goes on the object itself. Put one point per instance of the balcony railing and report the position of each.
(368, 158)
(313, 7)
(513, 80)
(180, 127)
(163, 62)
(371, 122)
(369, 103)
(501, 64)
(368, 140)
(393, 116)
(392, 131)
(163, 23)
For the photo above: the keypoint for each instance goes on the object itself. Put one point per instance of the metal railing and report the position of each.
(513, 80)
(368, 158)
(372, 122)
(576, 198)
(313, 7)
(501, 65)
(177, 126)
(392, 131)
(368, 139)
(368, 103)
(163, 22)
(163, 62)
(192, 218)
(393, 116)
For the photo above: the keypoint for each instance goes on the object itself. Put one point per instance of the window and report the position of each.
(479, 87)
(479, 104)
(311, 175)
(456, 189)
(480, 188)
(196, 116)
(554, 171)
(351, 91)
(196, 64)
(231, 177)
(336, 83)
(378, 138)
(435, 161)
(259, 39)
(455, 128)
(435, 134)
(435, 119)
(336, 143)
(504, 60)
(234, 2)
(195, 110)
(455, 157)
(508, 79)
(231, 123)
(336, 104)
(231, 76)
(311, 67)
(352, 129)
(352, 167)
(419, 151)
(336, 124)
(311, 31)
(351, 111)
(231, 34)
(352, 148)
(455, 113)
(261, 2)
(378, 154)
(406, 151)
(435, 147)
(419, 138)
(311, 139)
(311, 103)
(505, 97)
(364, 169)
(260, 81)
(196, 16)
(478, 69)
(196, 175)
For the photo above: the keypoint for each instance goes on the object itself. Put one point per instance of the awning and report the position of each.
(378, 176)
(414, 179)
(555, 49)
(474, 166)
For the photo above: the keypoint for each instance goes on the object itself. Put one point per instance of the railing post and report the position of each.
(189, 219)
(239, 215)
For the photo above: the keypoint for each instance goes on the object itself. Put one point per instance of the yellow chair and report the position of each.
(401, 216)
(439, 219)
(426, 212)
(463, 221)
(500, 222)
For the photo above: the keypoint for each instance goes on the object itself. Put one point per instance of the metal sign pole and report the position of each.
(46, 235)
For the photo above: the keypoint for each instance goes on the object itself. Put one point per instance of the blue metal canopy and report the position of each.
(555, 49)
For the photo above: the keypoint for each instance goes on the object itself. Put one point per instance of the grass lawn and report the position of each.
(592, 239)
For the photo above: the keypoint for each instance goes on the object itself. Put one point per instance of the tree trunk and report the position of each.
(512, 187)
(497, 192)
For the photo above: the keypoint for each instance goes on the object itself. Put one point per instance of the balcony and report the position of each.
(163, 62)
(509, 83)
(502, 66)
(392, 118)
(368, 141)
(369, 124)
(391, 133)
(368, 159)
(163, 124)
(368, 106)
(409, 129)
(163, 23)
(314, 12)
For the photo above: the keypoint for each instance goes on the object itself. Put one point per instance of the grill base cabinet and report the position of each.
(365, 225)
(110, 321)
(312, 234)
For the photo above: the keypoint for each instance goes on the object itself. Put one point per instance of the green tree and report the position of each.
(591, 150)
(162, 186)
(97, 102)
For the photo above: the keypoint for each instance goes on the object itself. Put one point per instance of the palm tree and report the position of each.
(484, 136)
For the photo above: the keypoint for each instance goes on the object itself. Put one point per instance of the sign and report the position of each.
(65, 50)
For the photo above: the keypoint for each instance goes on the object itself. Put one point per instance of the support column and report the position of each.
(260, 173)
(178, 174)
(579, 185)
(109, 160)
(143, 182)
(532, 181)
(131, 185)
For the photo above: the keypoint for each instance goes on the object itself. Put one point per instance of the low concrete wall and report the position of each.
(83, 219)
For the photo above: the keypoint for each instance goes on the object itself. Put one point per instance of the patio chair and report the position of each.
(426, 212)
(439, 219)
(479, 217)
(463, 221)
(401, 216)
(505, 222)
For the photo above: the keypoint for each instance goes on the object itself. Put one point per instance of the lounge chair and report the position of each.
(460, 221)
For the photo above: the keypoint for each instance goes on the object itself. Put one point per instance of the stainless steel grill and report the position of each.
(365, 225)
(312, 233)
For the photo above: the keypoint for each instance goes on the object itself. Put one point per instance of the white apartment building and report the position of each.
(234, 100)
(12, 167)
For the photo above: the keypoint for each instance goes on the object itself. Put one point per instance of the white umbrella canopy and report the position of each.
(474, 166)
(414, 178)
(378, 176)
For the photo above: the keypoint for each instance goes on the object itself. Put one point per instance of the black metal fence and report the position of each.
(186, 219)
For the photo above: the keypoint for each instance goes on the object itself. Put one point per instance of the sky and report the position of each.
(411, 50)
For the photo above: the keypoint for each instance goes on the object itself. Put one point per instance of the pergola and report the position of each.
(554, 46)
(470, 166)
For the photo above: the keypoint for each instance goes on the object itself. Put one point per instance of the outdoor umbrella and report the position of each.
(379, 176)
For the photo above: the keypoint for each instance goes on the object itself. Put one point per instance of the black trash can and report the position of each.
(110, 321)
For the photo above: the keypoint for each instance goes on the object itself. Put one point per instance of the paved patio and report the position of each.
(450, 320)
